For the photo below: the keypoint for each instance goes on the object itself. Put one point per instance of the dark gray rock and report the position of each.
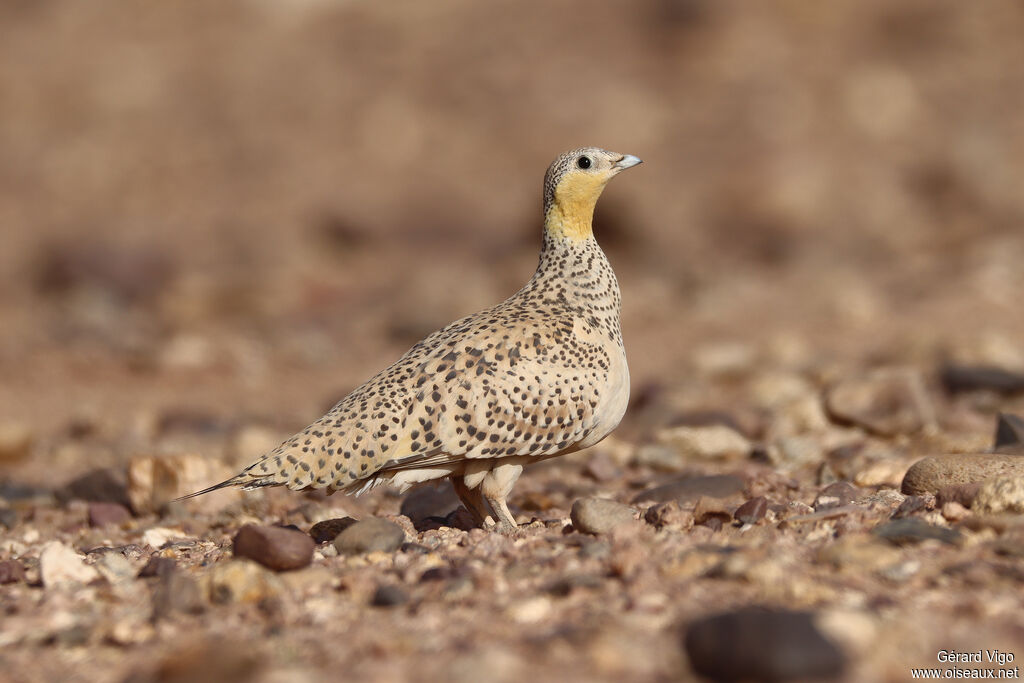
(389, 596)
(752, 511)
(328, 530)
(1009, 434)
(761, 645)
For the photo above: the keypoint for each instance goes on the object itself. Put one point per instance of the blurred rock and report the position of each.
(201, 658)
(600, 467)
(249, 442)
(176, 591)
(154, 481)
(8, 518)
(599, 515)
(389, 596)
(711, 511)
(274, 547)
(1000, 494)
(59, 565)
(241, 581)
(660, 458)
(429, 501)
(687, 489)
(328, 530)
(11, 571)
(964, 494)
(372, 534)
(911, 530)
(714, 442)
(886, 402)
(15, 442)
(910, 506)
(860, 553)
(115, 567)
(761, 644)
(157, 566)
(1009, 437)
(931, 474)
(102, 514)
(752, 511)
(961, 378)
(881, 472)
(158, 537)
(836, 495)
(105, 485)
(126, 274)
(668, 515)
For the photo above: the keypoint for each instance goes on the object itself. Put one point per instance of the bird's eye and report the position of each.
(583, 162)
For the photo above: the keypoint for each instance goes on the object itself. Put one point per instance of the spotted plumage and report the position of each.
(541, 374)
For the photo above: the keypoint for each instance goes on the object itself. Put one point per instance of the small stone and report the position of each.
(275, 548)
(936, 472)
(964, 494)
(886, 402)
(909, 506)
(8, 518)
(241, 581)
(105, 485)
(961, 378)
(389, 596)
(11, 571)
(177, 592)
(708, 509)
(884, 472)
(713, 442)
(836, 495)
(15, 441)
(761, 644)
(328, 530)
(115, 567)
(659, 457)
(102, 514)
(668, 515)
(1009, 434)
(599, 515)
(461, 518)
(688, 489)
(600, 467)
(158, 536)
(954, 512)
(752, 511)
(1001, 494)
(911, 530)
(157, 566)
(531, 610)
(59, 565)
(370, 535)
(429, 501)
(155, 481)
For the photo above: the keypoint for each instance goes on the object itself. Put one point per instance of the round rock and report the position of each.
(599, 515)
(936, 472)
(370, 535)
(275, 548)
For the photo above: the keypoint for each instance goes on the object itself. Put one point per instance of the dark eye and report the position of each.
(583, 162)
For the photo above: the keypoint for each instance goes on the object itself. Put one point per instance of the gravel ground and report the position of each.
(219, 220)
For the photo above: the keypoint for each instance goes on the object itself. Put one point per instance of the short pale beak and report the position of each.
(627, 161)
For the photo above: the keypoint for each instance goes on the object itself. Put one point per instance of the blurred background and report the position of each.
(215, 213)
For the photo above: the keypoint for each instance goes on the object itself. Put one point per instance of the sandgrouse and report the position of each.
(539, 375)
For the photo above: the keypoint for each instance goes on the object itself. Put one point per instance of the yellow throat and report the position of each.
(571, 213)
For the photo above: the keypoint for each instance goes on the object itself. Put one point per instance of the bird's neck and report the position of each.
(576, 272)
(569, 220)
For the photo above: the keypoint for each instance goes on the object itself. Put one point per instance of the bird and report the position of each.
(536, 376)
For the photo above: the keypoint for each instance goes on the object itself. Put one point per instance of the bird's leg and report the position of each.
(495, 488)
(473, 500)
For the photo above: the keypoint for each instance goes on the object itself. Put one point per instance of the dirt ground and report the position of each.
(219, 218)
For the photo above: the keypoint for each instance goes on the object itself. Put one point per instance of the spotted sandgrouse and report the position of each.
(539, 375)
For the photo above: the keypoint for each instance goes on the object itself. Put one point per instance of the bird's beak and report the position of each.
(627, 161)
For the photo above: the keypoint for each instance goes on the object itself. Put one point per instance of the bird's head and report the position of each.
(572, 185)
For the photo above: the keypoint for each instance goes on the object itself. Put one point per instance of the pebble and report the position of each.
(8, 518)
(241, 581)
(961, 378)
(910, 505)
(884, 472)
(11, 571)
(59, 565)
(1009, 434)
(761, 644)
(176, 591)
(712, 442)
(711, 512)
(102, 514)
(936, 472)
(154, 481)
(752, 511)
(389, 596)
(15, 441)
(1001, 494)
(328, 530)
(687, 489)
(911, 530)
(115, 567)
(886, 402)
(836, 495)
(159, 536)
(104, 485)
(372, 534)
(599, 515)
(275, 548)
(668, 515)
(659, 457)
(964, 494)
